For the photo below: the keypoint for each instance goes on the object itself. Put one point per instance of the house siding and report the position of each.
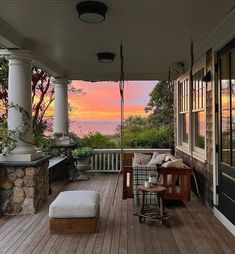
(204, 177)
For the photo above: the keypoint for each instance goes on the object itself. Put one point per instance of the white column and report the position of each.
(20, 97)
(61, 106)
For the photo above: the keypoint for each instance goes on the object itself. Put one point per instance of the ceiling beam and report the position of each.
(12, 40)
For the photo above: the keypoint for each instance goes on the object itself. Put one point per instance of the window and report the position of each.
(183, 110)
(198, 113)
(227, 108)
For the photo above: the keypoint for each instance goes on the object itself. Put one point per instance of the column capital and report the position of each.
(60, 81)
(18, 55)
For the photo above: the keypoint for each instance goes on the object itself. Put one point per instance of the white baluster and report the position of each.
(100, 162)
(112, 161)
(108, 164)
(117, 159)
(96, 158)
(104, 162)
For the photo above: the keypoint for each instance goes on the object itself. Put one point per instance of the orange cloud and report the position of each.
(102, 100)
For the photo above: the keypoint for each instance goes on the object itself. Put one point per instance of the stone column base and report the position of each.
(23, 186)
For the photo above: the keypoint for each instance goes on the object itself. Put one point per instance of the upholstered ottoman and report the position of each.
(74, 212)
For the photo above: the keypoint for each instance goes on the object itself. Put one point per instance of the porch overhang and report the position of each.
(155, 35)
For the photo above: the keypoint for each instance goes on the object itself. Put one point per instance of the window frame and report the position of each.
(190, 148)
(181, 143)
(197, 151)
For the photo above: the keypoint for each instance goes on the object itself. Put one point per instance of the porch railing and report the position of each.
(109, 160)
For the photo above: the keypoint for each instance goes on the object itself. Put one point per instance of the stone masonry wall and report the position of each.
(23, 190)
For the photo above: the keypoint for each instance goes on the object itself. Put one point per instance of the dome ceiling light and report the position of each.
(92, 12)
(106, 57)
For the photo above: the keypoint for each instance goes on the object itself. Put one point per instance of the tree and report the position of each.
(42, 94)
(161, 104)
(133, 124)
(3, 88)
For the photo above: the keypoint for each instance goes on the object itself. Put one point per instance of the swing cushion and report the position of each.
(141, 159)
(157, 158)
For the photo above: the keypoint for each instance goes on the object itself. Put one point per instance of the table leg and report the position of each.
(161, 206)
(143, 201)
(50, 189)
(142, 219)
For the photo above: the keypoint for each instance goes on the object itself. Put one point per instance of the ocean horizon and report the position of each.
(81, 128)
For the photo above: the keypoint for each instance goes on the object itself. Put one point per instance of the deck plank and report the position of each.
(192, 228)
(117, 220)
(104, 207)
(92, 237)
(123, 230)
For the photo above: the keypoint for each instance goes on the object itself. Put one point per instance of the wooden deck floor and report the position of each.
(192, 228)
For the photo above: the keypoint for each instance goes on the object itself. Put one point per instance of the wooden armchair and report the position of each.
(180, 186)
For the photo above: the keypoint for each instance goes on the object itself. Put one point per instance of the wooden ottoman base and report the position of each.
(74, 225)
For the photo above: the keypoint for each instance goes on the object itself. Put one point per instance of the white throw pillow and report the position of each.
(141, 159)
(157, 159)
(154, 154)
(167, 158)
(176, 164)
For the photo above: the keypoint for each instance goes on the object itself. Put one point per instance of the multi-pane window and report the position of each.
(183, 110)
(227, 107)
(198, 113)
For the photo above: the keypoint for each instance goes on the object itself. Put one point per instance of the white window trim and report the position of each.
(197, 153)
(180, 142)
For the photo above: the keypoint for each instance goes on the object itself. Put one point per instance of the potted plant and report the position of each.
(153, 177)
(82, 157)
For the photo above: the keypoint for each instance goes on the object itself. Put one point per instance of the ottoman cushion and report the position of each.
(75, 204)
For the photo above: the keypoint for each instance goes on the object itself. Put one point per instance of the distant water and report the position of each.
(81, 128)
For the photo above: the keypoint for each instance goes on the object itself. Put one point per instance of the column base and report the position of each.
(21, 157)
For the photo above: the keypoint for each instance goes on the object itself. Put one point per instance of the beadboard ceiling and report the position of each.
(155, 34)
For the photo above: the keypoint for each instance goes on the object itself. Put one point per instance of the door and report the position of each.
(226, 116)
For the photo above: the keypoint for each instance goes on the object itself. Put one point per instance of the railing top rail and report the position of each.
(134, 150)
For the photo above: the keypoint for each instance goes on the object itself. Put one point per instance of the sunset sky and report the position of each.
(99, 108)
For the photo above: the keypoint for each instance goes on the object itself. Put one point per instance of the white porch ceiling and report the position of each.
(155, 34)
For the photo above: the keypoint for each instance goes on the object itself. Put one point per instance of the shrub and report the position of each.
(97, 140)
(150, 138)
(83, 152)
(74, 137)
(45, 143)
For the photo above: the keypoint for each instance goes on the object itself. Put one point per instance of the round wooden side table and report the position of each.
(154, 213)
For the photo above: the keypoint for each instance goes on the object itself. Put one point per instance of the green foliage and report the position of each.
(39, 128)
(156, 130)
(10, 137)
(97, 140)
(134, 124)
(45, 143)
(4, 137)
(161, 104)
(150, 138)
(3, 72)
(82, 153)
(152, 174)
(74, 137)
